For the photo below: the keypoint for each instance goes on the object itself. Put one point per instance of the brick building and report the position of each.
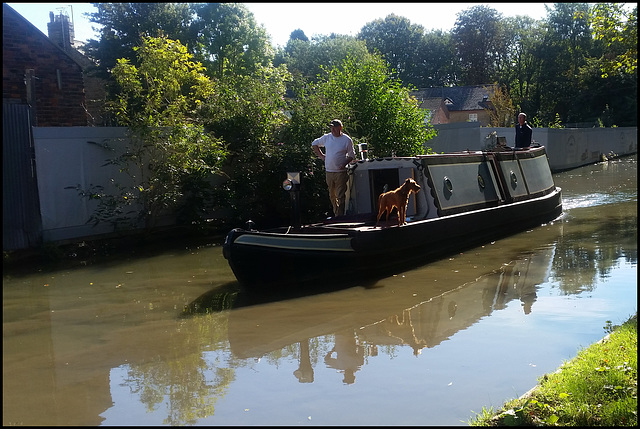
(38, 72)
(61, 32)
(457, 104)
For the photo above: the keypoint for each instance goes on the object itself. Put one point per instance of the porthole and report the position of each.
(447, 184)
(514, 179)
(481, 181)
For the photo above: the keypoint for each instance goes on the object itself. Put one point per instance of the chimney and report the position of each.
(60, 30)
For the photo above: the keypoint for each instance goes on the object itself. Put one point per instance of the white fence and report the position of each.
(75, 157)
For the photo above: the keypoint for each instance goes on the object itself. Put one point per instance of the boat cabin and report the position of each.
(450, 183)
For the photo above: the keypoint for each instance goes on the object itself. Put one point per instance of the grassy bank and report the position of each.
(599, 387)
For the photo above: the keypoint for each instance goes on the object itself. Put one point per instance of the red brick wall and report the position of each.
(58, 86)
(440, 116)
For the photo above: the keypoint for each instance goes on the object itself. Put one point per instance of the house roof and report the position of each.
(431, 103)
(457, 98)
(6, 9)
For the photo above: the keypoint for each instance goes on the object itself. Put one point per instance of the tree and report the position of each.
(298, 34)
(222, 36)
(309, 118)
(434, 62)
(123, 25)
(398, 41)
(248, 112)
(160, 101)
(376, 108)
(565, 49)
(617, 28)
(502, 112)
(307, 59)
(476, 36)
(611, 73)
(521, 74)
(229, 41)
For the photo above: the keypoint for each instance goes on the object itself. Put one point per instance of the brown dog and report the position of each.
(398, 198)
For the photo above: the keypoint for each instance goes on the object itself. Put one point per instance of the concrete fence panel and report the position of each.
(566, 147)
(75, 157)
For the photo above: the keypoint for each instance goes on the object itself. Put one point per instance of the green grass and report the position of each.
(599, 387)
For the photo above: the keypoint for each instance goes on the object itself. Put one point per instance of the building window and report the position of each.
(473, 117)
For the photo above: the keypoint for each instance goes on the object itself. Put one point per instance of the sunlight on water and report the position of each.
(596, 199)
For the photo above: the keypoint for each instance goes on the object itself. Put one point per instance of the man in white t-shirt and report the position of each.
(338, 154)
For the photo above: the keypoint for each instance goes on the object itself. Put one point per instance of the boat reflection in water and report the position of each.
(257, 327)
(429, 323)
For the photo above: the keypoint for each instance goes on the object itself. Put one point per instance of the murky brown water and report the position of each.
(143, 341)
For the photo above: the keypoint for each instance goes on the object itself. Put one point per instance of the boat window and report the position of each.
(448, 185)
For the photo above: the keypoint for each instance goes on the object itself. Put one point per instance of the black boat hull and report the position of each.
(363, 253)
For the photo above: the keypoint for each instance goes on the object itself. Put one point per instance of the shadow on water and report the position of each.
(232, 295)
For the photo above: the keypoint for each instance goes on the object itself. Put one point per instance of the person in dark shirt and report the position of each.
(523, 132)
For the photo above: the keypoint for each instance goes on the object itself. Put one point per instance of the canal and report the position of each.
(171, 339)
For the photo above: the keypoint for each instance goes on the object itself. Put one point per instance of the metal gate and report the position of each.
(21, 222)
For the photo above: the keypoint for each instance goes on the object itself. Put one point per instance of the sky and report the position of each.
(280, 19)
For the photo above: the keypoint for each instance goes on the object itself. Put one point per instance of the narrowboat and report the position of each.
(465, 199)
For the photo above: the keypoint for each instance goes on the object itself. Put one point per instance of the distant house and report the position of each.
(38, 73)
(456, 104)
